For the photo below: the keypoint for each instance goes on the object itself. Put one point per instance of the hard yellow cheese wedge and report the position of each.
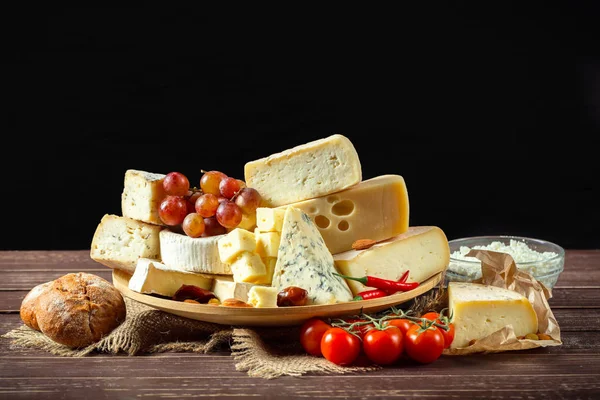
(310, 170)
(480, 310)
(375, 209)
(422, 250)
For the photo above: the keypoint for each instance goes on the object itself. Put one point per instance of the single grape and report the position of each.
(229, 214)
(222, 199)
(212, 227)
(206, 205)
(191, 198)
(193, 225)
(242, 183)
(210, 181)
(176, 184)
(248, 200)
(229, 187)
(172, 210)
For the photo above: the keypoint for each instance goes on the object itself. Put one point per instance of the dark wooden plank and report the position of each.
(64, 260)
(18, 280)
(582, 268)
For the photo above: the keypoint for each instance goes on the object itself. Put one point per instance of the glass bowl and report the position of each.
(542, 259)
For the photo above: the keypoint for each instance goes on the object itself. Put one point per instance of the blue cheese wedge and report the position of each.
(304, 261)
(142, 194)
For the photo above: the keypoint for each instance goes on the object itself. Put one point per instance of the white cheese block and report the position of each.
(224, 287)
(269, 219)
(376, 209)
(422, 250)
(184, 253)
(234, 243)
(119, 242)
(248, 267)
(263, 296)
(306, 171)
(142, 194)
(480, 310)
(151, 276)
(304, 261)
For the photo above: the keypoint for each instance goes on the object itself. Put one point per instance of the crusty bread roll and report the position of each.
(76, 310)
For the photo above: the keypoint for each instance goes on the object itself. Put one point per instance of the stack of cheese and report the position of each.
(315, 206)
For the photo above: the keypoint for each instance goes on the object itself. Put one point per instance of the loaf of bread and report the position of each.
(76, 310)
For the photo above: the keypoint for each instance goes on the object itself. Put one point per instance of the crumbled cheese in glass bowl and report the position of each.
(542, 259)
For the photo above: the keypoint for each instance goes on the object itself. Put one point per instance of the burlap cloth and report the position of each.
(261, 352)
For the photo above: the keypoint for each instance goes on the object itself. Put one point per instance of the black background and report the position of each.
(490, 113)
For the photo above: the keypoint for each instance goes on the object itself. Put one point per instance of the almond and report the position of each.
(192, 301)
(234, 303)
(362, 244)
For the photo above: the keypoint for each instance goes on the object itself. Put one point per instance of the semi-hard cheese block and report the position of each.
(153, 277)
(119, 242)
(310, 170)
(224, 287)
(304, 261)
(235, 242)
(267, 243)
(376, 209)
(480, 310)
(142, 194)
(422, 250)
(269, 219)
(262, 296)
(249, 267)
(185, 253)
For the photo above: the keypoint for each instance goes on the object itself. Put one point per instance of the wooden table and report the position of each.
(568, 371)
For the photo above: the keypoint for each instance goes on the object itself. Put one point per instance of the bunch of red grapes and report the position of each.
(213, 209)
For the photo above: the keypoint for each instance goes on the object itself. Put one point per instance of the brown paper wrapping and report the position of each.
(499, 269)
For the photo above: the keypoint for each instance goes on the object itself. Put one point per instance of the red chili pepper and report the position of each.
(370, 294)
(385, 284)
(404, 277)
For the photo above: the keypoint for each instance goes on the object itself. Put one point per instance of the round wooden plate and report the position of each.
(271, 316)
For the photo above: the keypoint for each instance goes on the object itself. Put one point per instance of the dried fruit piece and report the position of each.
(292, 296)
(362, 244)
(532, 336)
(214, 302)
(192, 292)
(543, 336)
(191, 301)
(234, 303)
(472, 342)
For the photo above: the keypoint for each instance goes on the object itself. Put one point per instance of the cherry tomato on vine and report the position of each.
(311, 334)
(448, 334)
(424, 345)
(402, 323)
(360, 330)
(384, 346)
(339, 346)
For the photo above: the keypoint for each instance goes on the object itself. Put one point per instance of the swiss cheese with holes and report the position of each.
(376, 209)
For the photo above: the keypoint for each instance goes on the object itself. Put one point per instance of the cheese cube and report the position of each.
(263, 296)
(304, 261)
(234, 243)
(269, 219)
(224, 287)
(151, 276)
(422, 250)
(376, 209)
(267, 243)
(480, 310)
(248, 267)
(306, 171)
(270, 263)
(119, 242)
(142, 194)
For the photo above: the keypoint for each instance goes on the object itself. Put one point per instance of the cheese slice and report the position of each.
(153, 277)
(119, 242)
(305, 262)
(310, 170)
(376, 209)
(422, 250)
(142, 194)
(184, 253)
(224, 287)
(480, 310)
(263, 296)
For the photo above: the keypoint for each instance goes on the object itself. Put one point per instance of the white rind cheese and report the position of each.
(184, 253)
(422, 250)
(119, 242)
(480, 310)
(305, 262)
(310, 170)
(142, 194)
(263, 296)
(153, 277)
